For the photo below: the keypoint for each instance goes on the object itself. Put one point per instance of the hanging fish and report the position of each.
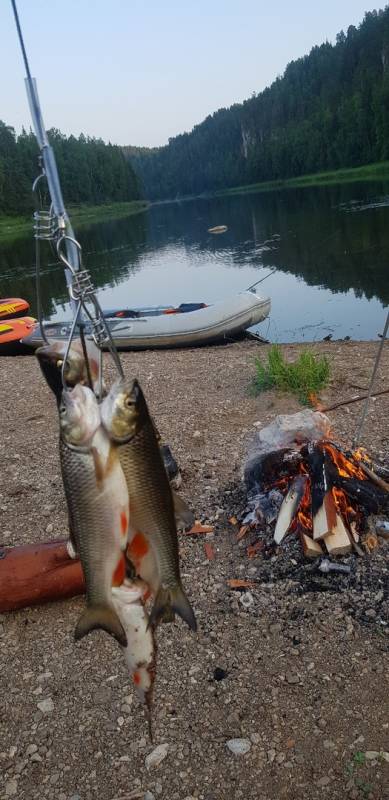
(127, 420)
(97, 499)
(289, 506)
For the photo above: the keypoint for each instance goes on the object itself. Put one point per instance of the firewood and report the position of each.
(38, 573)
(311, 548)
(338, 542)
(324, 521)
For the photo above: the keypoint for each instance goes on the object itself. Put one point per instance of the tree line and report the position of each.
(330, 109)
(90, 170)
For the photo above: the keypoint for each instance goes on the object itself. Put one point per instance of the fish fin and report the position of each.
(172, 600)
(104, 617)
(184, 516)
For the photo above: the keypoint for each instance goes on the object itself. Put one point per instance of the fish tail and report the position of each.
(170, 601)
(100, 617)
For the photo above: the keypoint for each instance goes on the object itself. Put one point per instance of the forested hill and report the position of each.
(90, 171)
(330, 109)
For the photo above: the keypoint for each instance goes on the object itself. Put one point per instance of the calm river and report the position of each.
(328, 247)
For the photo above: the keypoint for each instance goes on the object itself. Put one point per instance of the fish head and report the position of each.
(79, 415)
(51, 358)
(124, 410)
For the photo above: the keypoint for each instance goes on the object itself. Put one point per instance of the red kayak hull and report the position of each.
(12, 331)
(12, 307)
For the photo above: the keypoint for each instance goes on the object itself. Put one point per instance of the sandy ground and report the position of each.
(305, 666)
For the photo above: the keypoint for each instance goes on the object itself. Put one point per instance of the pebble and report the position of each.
(46, 706)
(149, 796)
(370, 612)
(276, 627)
(196, 434)
(246, 600)
(322, 782)
(49, 528)
(11, 788)
(156, 756)
(36, 757)
(292, 678)
(239, 747)
(371, 754)
(255, 738)
(271, 754)
(32, 748)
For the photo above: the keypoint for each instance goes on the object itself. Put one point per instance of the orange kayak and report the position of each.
(12, 307)
(12, 331)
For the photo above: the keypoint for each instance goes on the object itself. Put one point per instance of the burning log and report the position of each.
(339, 491)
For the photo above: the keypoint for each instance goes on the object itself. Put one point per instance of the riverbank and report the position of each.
(12, 227)
(370, 172)
(302, 674)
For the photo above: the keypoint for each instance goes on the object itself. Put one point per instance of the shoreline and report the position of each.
(13, 227)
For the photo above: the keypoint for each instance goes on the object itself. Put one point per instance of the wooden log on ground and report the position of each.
(38, 573)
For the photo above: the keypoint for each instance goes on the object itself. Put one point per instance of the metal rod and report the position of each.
(253, 285)
(362, 419)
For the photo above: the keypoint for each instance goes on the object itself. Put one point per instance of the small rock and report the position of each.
(158, 788)
(239, 747)
(196, 434)
(149, 796)
(322, 782)
(46, 706)
(32, 748)
(49, 528)
(271, 754)
(246, 600)
(292, 678)
(371, 755)
(370, 612)
(276, 627)
(36, 757)
(322, 724)
(157, 755)
(255, 738)
(385, 756)
(11, 788)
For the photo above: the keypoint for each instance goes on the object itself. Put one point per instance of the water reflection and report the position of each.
(331, 264)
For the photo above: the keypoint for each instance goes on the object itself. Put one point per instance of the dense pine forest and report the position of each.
(91, 171)
(330, 109)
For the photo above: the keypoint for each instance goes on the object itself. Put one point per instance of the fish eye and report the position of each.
(62, 410)
(129, 402)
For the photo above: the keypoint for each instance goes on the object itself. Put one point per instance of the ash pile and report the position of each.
(301, 483)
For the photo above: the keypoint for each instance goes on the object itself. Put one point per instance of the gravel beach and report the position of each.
(282, 693)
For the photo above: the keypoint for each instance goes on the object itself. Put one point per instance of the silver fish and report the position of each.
(127, 420)
(97, 499)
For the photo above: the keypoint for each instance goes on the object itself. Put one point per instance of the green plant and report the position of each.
(304, 377)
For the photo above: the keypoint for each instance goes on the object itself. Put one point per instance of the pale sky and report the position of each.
(135, 72)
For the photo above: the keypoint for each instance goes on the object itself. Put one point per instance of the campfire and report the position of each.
(301, 482)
